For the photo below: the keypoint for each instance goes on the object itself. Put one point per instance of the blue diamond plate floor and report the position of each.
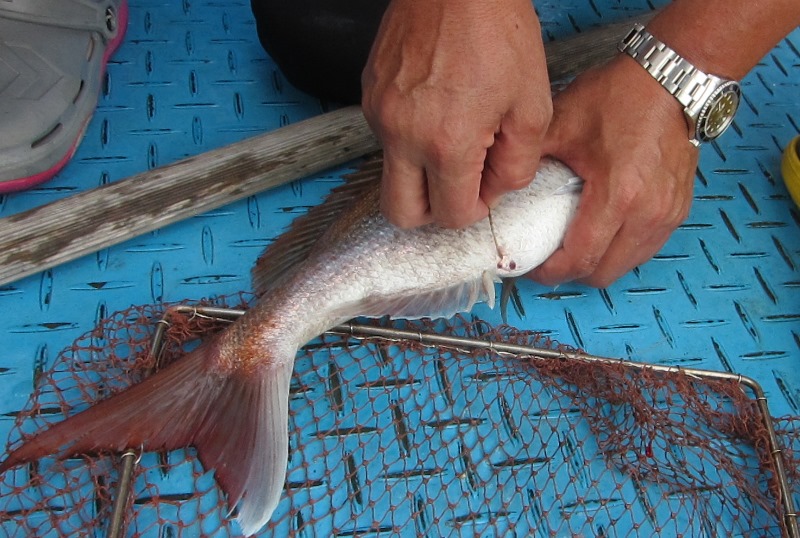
(723, 294)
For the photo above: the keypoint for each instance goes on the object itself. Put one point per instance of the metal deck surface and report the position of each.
(723, 294)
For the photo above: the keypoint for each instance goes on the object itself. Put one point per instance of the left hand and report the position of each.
(620, 131)
(457, 91)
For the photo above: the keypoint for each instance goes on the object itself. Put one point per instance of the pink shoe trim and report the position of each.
(16, 185)
(21, 184)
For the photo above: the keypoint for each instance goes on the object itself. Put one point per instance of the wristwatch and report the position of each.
(709, 102)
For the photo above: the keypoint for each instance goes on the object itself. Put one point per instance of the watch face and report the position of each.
(718, 112)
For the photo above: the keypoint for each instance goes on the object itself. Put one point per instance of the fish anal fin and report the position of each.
(441, 302)
(293, 246)
(238, 423)
(510, 292)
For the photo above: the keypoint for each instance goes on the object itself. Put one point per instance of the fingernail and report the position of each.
(493, 201)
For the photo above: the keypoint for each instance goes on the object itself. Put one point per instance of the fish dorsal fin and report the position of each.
(293, 246)
(439, 303)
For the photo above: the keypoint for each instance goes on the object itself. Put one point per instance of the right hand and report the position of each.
(620, 131)
(458, 93)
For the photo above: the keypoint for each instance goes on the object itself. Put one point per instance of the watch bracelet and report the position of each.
(677, 75)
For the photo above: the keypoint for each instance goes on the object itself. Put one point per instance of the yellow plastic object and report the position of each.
(790, 168)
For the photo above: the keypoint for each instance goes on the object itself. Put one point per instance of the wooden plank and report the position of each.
(571, 56)
(52, 234)
(64, 230)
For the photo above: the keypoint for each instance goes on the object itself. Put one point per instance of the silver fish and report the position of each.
(230, 397)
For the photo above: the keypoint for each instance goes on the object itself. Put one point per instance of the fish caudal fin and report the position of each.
(237, 421)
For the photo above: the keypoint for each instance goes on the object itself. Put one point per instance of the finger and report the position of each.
(512, 159)
(454, 188)
(631, 247)
(642, 232)
(587, 239)
(642, 235)
(404, 192)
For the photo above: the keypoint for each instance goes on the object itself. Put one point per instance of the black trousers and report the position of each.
(321, 46)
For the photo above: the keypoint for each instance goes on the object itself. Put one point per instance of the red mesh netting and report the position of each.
(398, 438)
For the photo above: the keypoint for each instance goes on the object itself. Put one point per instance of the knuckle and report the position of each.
(385, 111)
(404, 222)
(667, 215)
(509, 178)
(444, 146)
(525, 131)
(452, 222)
(627, 196)
(536, 119)
(402, 212)
(541, 116)
(517, 182)
(598, 281)
(586, 265)
(404, 218)
(454, 219)
(654, 218)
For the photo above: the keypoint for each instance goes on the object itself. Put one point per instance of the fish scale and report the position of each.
(229, 398)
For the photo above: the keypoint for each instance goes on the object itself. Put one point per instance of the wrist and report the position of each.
(709, 102)
(648, 102)
(725, 37)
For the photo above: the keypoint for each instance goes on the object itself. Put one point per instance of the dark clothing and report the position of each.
(321, 46)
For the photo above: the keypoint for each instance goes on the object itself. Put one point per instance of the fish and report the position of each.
(229, 398)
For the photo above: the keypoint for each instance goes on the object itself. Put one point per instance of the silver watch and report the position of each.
(709, 102)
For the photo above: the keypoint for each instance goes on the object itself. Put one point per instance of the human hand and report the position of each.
(627, 138)
(458, 93)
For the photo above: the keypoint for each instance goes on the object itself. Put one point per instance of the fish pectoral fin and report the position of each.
(237, 422)
(573, 185)
(439, 303)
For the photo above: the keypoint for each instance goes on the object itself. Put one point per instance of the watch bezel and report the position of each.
(727, 88)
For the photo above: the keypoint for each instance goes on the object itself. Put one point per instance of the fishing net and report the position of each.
(396, 436)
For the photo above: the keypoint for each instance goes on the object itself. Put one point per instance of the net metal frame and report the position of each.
(120, 487)
(519, 352)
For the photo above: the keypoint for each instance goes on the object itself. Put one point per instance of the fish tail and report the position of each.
(236, 420)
